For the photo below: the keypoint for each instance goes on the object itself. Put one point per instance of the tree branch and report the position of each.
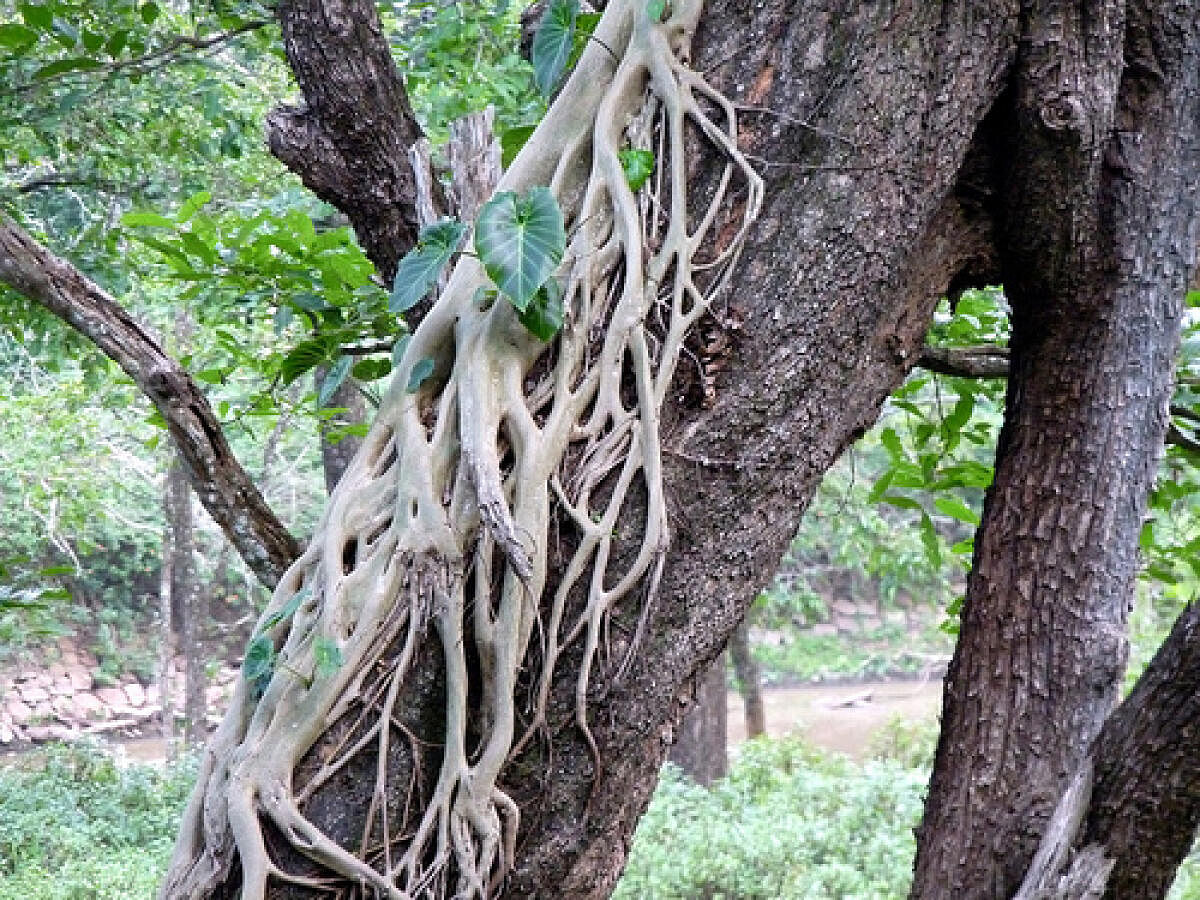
(983, 361)
(151, 60)
(350, 139)
(219, 480)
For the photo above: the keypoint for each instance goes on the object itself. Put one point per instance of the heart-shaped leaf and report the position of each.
(638, 166)
(260, 659)
(544, 314)
(521, 241)
(421, 265)
(552, 44)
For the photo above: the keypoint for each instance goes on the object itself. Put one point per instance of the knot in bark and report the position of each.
(1063, 112)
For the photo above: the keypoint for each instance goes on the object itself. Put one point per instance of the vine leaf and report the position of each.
(327, 655)
(421, 370)
(333, 379)
(656, 9)
(511, 142)
(638, 166)
(419, 268)
(260, 659)
(288, 610)
(544, 314)
(553, 43)
(520, 241)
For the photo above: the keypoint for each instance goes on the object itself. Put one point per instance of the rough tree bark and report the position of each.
(355, 119)
(1094, 184)
(860, 118)
(186, 601)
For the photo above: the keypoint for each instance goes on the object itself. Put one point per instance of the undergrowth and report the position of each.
(74, 825)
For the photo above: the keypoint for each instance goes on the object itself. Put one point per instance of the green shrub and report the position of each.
(78, 826)
(788, 822)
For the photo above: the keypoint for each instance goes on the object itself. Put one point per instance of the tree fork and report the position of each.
(1097, 231)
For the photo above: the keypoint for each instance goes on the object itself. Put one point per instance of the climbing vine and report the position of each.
(496, 425)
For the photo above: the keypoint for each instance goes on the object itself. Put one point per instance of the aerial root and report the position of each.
(455, 487)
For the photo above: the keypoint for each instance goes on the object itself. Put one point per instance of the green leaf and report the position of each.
(933, 549)
(420, 371)
(421, 265)
(149, 12)
(956, 509)
(511, 142)
(327, 656)
(260, 659)
(59, 67)
(116, 43)
(521, 241)
(371, 369)
(37, 16)
(287, 611)
(656, 9)
(305, 356)
(13, 35)
(552, 44)
(901, 502)
(56, 570)
(192, 205)
(398, 349)
(146, 220)
(638, 166)
(333, 379)
(891, 442)
(544, 314)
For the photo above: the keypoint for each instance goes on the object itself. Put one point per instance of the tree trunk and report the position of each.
(749, 679)
(168, 625)
(861, 119)
(336, 455)
(186, 601)
(1088, 226)
(701, 738)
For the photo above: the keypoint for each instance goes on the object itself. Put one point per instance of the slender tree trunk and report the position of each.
(167, 632)
(749, 679)
(701, 738)
(186, 600)
(336, 455)
(1094, 189)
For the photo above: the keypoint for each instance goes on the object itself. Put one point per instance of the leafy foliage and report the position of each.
(420, 267)
(553, 43)
(76, 825)
(520, 241)
(788, 822)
